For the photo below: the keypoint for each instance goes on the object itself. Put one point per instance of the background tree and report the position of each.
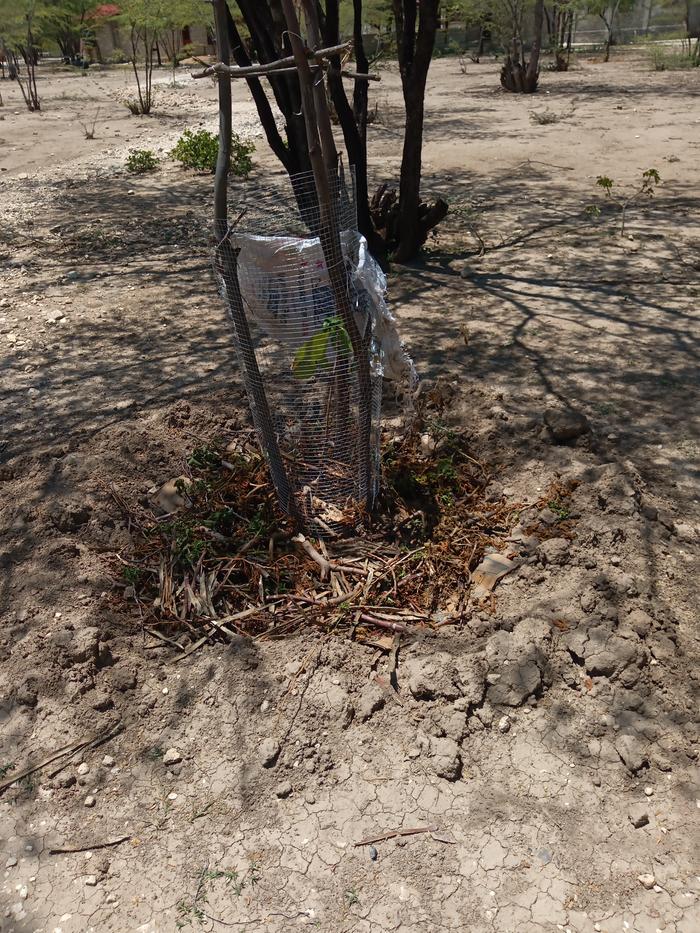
(608, 11)
(177, 15)
(560, 18)
(19, 39)
(518, 74)
(416, 23)
(62, 22)
(144, 20)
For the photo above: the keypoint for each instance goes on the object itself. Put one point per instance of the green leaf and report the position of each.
(311, 355)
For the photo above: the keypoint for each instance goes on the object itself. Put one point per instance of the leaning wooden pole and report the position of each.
(227, 268)
(329, 235)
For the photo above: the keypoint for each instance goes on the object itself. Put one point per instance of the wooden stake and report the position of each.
(229, 271)
(332, 250)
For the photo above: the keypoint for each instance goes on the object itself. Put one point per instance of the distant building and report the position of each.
(108, 40)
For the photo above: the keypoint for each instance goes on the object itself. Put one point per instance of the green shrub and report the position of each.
(200, 150)
(117, 57)
(670, 60)
(140, 161)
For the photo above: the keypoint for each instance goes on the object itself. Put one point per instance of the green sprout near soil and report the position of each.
(204, 458)
(191, 912)
(622, 197)
(132, 575)
(561, 510)
(352, 897)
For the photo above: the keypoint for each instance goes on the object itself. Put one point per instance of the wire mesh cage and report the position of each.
(300, 365)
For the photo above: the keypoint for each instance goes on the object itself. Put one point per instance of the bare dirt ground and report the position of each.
(550, 741)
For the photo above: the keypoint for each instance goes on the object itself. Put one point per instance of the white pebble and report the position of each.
(91, 881)
(649, 791)
(83, 768)
(108, 761)
(90, 801)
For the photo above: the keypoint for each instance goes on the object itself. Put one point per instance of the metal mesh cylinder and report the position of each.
(299, 366)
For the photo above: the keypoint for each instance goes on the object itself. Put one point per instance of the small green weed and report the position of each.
(200, 151)
(188, 546)
(6, 769)
(560, 510)
(193, 911)
(624, 195)
(132, 575)
(140, 161)
(204, 458)
(352, 897)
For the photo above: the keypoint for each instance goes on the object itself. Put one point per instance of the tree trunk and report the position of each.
(415, 50)
(532, 71)
(353, 120)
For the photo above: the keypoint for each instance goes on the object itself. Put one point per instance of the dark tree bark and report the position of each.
(416, 25)
(532, 72)
(353, 120)
(228, 270)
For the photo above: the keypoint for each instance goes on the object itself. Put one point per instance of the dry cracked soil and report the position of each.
(547, 746)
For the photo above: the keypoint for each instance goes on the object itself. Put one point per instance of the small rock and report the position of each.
(504, 724)
(170, 498)
(91, 881)
(630, 751)
(85, 645)
(283, 789)
(647, 881)
(445, 758)
(108, 761)
(264, 706)
(641, 622)
(649, 791)
(172, 757)
(122, 679)
(90, 801)
(373, 854)
(554, 551)
(269, 752)
(101, 701)
(11, 862)
(23, 893)
(638, 816)
(371, 701)
(565, 426)
(83, 768)
(545, 856)
(685, 532)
